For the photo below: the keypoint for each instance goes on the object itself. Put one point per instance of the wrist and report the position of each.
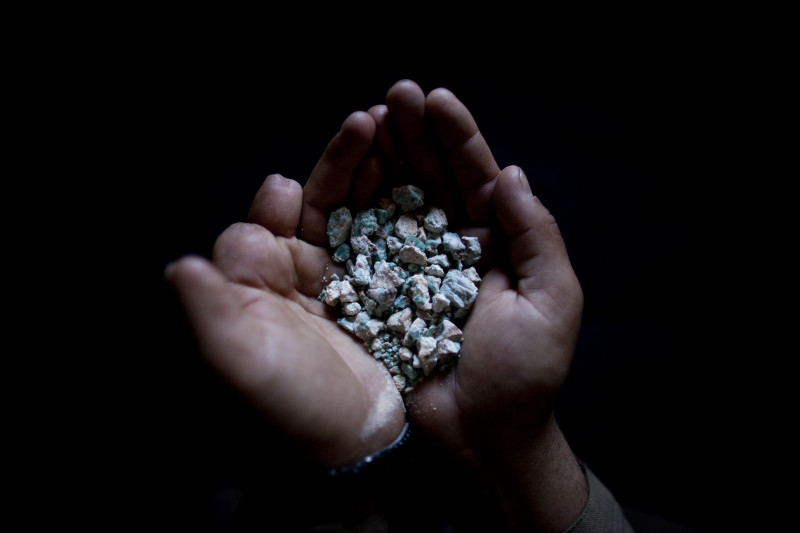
(537, 478)
(311, 495)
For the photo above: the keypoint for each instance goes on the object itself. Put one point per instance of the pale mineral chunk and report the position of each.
(439, 303)
(347, 293)
(361, 245)
(399, 382)
(400, 321)
(361, 270)
(471, 253)
(461, 292)
(411, 254)
(377, 347)
(386, 229)
(333, 292)
(416, 289)
(347, 324)
(446, 330)
(472, 275)
(339, 224)
(383, 296)
(406, 227)
(393, 244)
(405, 354)
(365, 223)
(434, 283)
(435, 270)
(351, 309)
(435, 220)
(451, 242)
(385, 277)
(367, 328)
(446, 350)
(440, 259)
(426, 351)
(408, 197)
(413, 333)
(401, 302)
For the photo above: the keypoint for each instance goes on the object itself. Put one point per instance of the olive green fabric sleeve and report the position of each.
(602, 513)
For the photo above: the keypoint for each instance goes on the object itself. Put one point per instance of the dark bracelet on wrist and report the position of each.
(395, 454)
(322, 493)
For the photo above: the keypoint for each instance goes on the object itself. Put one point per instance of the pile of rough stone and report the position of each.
(408, 282)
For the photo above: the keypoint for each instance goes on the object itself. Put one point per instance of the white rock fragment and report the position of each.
(439, 303)
(400, 382)
(446, 330)
(361, 271)
(461, 292)
(472, 275)
(351, 309)
(361, 245)
(393, 244)
(439, 260)
(366, 328)
(383, 296)
(385, 277)
(333, 292)
(400, 321)
(452, 243)
(339, 224)
(446, 350)
(426, 351)
(411, 254)
(471, 253)
(435, 270)
(417, 291)
(406, 227)
(347, 293)
(405, 354)
(435, 220)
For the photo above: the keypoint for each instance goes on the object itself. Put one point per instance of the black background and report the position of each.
(625, 141)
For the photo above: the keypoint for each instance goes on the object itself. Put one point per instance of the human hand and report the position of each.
(256, 318)
(494, 408)
(522, 330)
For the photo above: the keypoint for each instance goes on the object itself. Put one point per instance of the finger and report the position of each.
(247, 340)
(366, 182)
(406, 103)
(386, 144)
(252, 256)
(538, 255)
(277, 205)
(211, 307)
(465, 150)
(330, 181)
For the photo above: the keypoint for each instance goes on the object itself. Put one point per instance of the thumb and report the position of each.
(537, 251)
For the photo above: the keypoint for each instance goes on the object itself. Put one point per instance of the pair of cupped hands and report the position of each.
(254, 311)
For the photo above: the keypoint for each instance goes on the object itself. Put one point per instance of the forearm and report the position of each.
(537, 481)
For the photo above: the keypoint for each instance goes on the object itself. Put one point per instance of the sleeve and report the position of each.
(602, 513)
